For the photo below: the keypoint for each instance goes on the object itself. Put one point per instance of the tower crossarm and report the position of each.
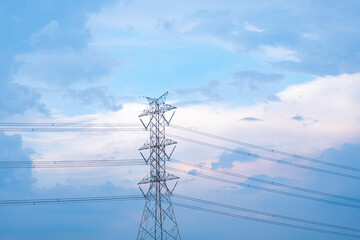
(148, 145)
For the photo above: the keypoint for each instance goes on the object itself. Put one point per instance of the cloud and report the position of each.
(39, 51)
(47, 31)
(226, 160)
(336, 126)
(205, 93)
(72, 221)
(333, 101)
(278, 54)
(310, 36)
(273, 98)
(12, 179)
(252, 28)
(63, 67)
(95, 95)
(339, 124)
(299, 49)
(254, 79)
(16, 99)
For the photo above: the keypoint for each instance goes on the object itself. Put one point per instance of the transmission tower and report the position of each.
(158, 220)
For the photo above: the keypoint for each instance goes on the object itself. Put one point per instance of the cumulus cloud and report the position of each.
(337, 124)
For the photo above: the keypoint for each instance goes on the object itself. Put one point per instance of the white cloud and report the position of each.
(228, 24)
(252, 28)
(277, 54)
(332, 101)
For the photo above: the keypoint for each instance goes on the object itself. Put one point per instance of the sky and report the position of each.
(279, 74)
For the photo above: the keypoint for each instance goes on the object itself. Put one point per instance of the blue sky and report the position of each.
(281, 74)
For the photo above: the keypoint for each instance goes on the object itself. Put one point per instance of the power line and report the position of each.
(265, 220)
(266, 148)
(140, 162)
(265, 158)
(114, 127)
(265, 189)
(67, 124)
(72, 129)
(50, 201)
(265, 181)
(268, 214)
(47, 201)
(69, 127)
(70, 164)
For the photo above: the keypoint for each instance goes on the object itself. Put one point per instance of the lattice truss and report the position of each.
(158, 220)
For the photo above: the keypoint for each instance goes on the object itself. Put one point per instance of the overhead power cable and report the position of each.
(264, 157)
(255, 219)
(268, 214)
(50, 201)
(140, 162)
(265, 148)
(70, 163)
(66, 124)
(71, 129)
(264, 181)
(264, 188)
(69, 200)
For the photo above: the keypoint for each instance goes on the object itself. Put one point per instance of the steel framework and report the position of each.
(158, 220)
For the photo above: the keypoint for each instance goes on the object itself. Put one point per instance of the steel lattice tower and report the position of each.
(158, 220)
